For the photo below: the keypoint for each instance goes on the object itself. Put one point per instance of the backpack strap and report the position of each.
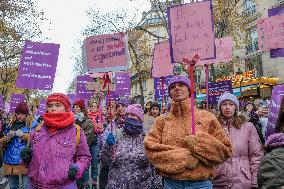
(78, 130)
(37, 128)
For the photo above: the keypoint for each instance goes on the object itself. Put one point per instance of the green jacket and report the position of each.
(271, 170)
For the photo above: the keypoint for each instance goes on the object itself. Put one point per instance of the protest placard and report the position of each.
(82, 92)
(216, 89)
(38, 65)
(15, 100)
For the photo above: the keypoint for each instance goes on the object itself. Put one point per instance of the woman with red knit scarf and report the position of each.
(59, 154)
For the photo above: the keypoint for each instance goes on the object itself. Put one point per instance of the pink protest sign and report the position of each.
(106, 52)
(271, 32)
(162, 66)
(224, 51)
(192, 31)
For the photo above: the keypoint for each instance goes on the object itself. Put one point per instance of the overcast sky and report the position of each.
(68, 18)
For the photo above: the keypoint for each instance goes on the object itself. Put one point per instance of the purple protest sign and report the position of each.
(2, 105)
(158, 88)
(42, 108)
(72, 98)
(275, 102)
(215, 90)
(275, 53)
(82, 92)
(122, 83)
(112, 97)
(15, 100)
(191, 29)
(38, 65)
(106, 52)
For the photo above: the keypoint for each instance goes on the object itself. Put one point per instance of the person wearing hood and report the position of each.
(129, 166)
(118, 116)
(270, 174)
(59, 152)
(185, 160)
(239, 171)
(15, 139)
(82, 119)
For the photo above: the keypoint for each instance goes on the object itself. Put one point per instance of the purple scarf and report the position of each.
(132, 126)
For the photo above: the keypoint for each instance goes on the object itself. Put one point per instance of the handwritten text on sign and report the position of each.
(106, 51)
(162, 66)
(38, 65)
(192, 31)
(271, 32)
(15, 100)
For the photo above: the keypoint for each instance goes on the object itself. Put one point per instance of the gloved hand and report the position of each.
(110, 139)
(19, 133)
(73, 170)
(10, 135)
(26, 155)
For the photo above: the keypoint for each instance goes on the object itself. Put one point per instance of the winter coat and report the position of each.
(255, 120)
(168, 150)
(12, 149)
(88, 128)
(240, 171)
(53, 154)
(130, 168)
(271, 169)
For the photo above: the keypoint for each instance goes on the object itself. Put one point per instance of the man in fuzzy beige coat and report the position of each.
(186, 160)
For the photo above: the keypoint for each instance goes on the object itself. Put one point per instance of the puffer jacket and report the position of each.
(271, 169)
(130, 167)
(240, 171)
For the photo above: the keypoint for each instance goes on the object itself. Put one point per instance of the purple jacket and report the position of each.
(53, 154)
(240, 171)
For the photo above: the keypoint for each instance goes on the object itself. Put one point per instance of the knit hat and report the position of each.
(22, 107)
(178, 79)
(80, 103)
(155, 104)
(59, 97)
(123, 102)
(137, 110)
(228, 96)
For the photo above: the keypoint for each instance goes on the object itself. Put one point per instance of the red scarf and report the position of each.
(58, 120)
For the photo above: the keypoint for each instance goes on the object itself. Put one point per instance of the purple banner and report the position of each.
(122, 83)
(275, 53)
(82, 92)
(38, 65)
(2, 105)
(42, 108)
(215, 90)
(275, 103)
(72, 98)
(113, 97)
(158, 88)
(15, 100)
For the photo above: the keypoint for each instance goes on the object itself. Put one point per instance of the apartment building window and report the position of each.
(197, 76)
(253, 46)
(249, 8)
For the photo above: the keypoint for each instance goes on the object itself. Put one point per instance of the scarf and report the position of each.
(132, 126)
(18, 125)
(58, 120)
(79, 116)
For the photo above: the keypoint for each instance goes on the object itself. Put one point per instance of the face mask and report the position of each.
(132, 126)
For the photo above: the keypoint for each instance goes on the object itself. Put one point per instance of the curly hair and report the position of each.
(279, 127)
(238, 121)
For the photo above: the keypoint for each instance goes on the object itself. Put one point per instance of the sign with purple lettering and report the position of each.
(38, 65)
(159, 89)
(82, 92)
(275, 53)
(122, 83)
(216, 89)
(275, 105)
(15, 100)
(106, 52)
(2, 105)
(192, 31)
(162, 65)
(42, 108)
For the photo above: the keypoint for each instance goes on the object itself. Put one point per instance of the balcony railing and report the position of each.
(252, 48)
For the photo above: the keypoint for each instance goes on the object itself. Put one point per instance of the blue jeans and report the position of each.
(95, 152)
(187, 184)
(13, 181)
